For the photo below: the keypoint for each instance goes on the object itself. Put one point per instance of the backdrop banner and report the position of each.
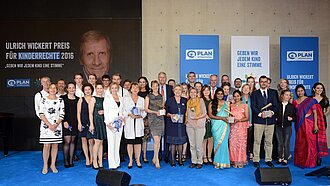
(199, 54)
(300, 61)
(299, 64)
(249, 57)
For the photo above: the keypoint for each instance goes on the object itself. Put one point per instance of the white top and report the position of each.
(79, 93)
(37, 99)
(111, 109)
(123, 92)
(133, 130)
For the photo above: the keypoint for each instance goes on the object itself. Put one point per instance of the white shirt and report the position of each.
(284, 105)
(122, 92)
(132, 131)
(79, 93)
(37, 99)
(160, 91)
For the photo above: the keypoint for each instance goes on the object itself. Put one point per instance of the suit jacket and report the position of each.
(169, 91)
(257, 102)
(282, 120)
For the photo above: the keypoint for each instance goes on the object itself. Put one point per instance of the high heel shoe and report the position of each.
(181, 164)
(44, 171)
(205, 161)
(173, 164)
(54, 170)
(95, 168)
(145, 160)
(184, 158)
(209, 159)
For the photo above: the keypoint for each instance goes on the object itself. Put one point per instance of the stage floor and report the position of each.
(24, 168)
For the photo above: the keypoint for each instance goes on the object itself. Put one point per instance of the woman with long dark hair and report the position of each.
(220, 129)
(311, 141)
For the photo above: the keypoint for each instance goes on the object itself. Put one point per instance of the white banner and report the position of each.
(249, 57)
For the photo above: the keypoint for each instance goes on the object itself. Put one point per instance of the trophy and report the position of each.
(161, 111)
(231, 119)
(268, 113)
(136, 111)
(117, 123)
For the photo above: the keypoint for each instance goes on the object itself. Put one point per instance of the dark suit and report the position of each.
(168, 93)
(283, 129)
(263, 126)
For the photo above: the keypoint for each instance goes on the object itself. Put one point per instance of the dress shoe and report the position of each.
(166, 160)
(139, 166)
(256, 164)
(101, 168)
(44, 171)
(54, 170)
(130, 166)
(145, 160)
(67, 166)
(88, 166)
(181, 164)
(279, 161)
(284, 163)
(95, 168)
(172, 164)
(192, 165)
(199, 166)
(269, 163)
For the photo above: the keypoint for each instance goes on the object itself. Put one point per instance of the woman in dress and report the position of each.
(113, 112)
(220, 129)
(318, 93)
(238, 131)
(208, 139)
(195, 126)
(143, 92)
(84, 124)
(246, 98)
(176, 130)
(70, 124)
(134, 127)
(97, 125)
(51, 113)
(153, 104)
(311, 142)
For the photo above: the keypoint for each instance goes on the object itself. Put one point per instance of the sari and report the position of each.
(309, 146)
(238, 137)
(220, 133)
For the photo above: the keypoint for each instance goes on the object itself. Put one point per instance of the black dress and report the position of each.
(176, 132)
(70, 107)
(324, 103)
(84, 116)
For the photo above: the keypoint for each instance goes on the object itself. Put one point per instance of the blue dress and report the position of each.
(220, 133)
(176, 132)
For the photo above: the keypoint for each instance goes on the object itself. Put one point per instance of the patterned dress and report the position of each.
(238, 137)
(52, 110)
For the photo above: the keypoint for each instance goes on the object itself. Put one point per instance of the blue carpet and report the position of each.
(24, 168)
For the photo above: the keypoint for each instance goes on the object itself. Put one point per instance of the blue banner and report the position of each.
(199, 54)
(299, 64)
(300, 61)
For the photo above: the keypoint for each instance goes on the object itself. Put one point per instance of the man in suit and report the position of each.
(166, 91)
(213, 84)
(264, 120)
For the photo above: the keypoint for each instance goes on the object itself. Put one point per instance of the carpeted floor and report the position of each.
(24, 168)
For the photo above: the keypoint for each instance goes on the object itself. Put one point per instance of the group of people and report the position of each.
(223, 126)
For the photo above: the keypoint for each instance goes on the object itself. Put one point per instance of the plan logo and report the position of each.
(299, 56)
(18, 83)
(199, 54)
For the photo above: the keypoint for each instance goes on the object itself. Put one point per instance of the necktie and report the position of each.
(162, 92)
(265, 96)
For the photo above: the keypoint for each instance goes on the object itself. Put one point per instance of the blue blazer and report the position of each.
(257, 102)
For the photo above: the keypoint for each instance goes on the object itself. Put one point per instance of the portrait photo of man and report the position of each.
(95, 53)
